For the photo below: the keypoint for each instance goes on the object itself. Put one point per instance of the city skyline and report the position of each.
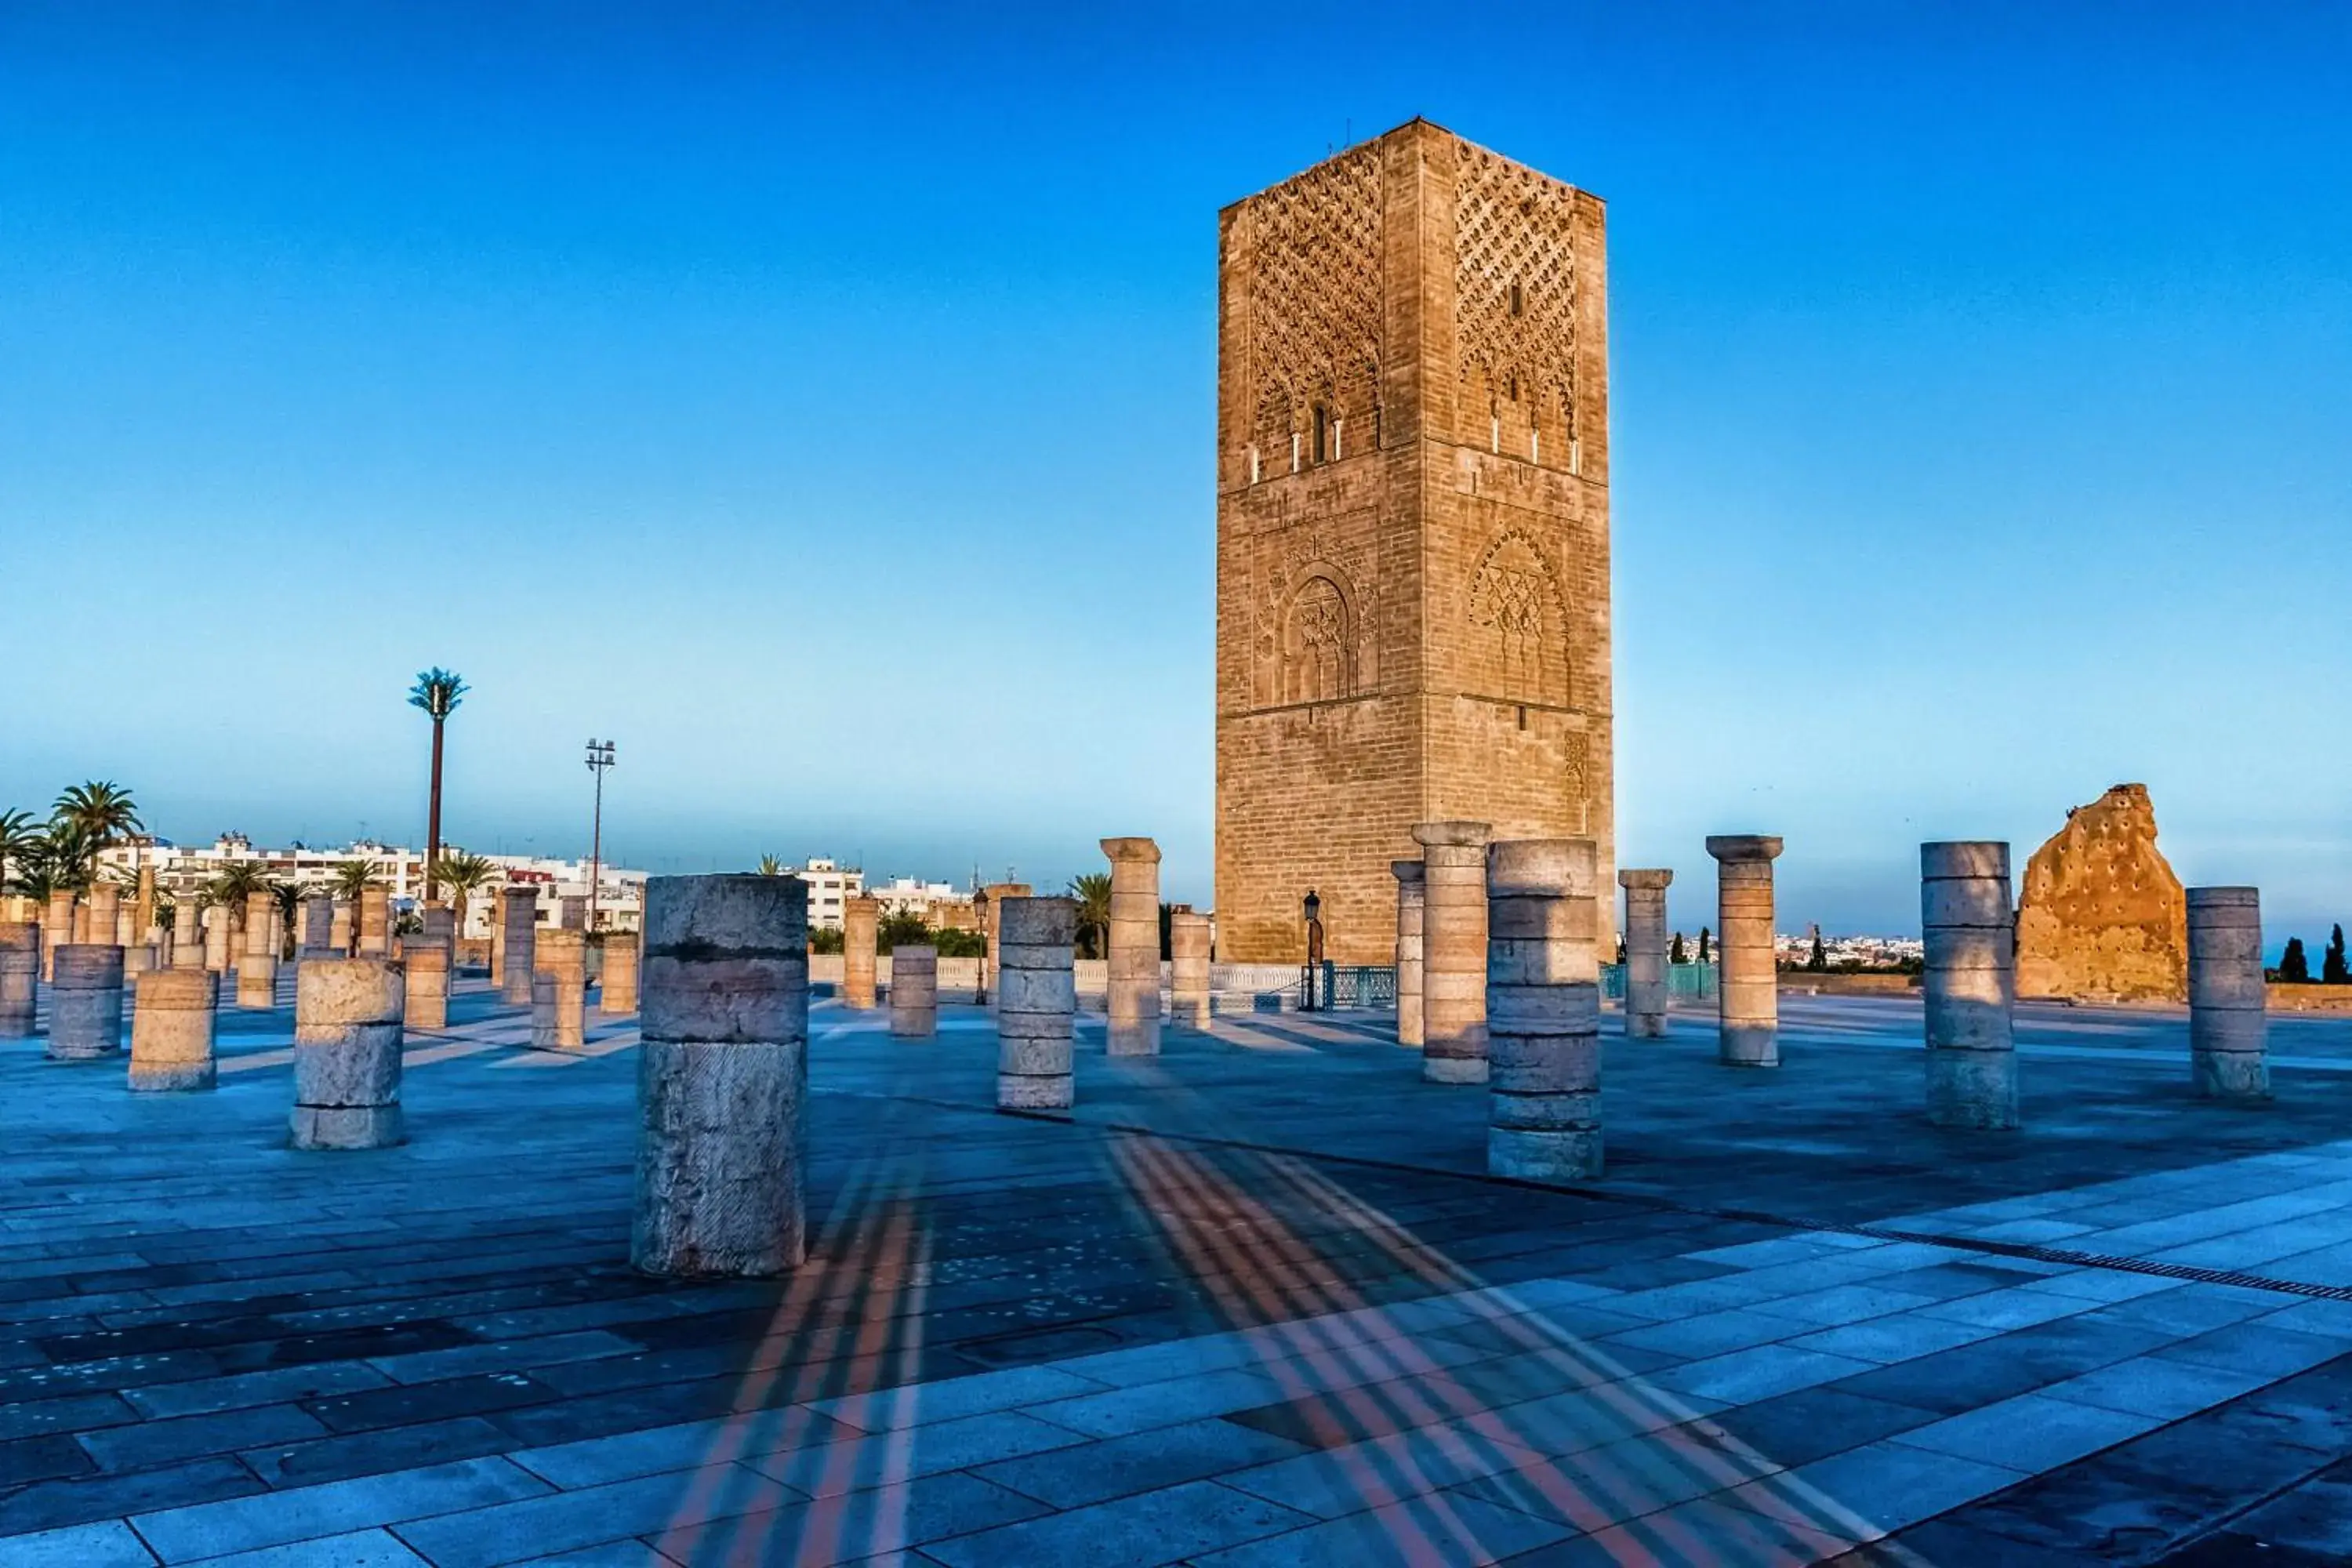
(1959, 473)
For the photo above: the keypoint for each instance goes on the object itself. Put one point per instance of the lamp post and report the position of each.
(600, 757)
(1314, 912)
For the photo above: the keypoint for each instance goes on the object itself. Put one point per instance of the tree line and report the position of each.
(2294, 967)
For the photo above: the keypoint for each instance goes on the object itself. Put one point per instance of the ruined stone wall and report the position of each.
(1412, 566)
(2101, 917)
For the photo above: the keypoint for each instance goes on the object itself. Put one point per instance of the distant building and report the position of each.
(830, 888)
(941, 907)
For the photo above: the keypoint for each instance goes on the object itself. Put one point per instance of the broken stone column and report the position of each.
(1970, 983)
(2100, 914)
(376, 921)
(914, 992)
(347, 1034)
(617, 995)
(56, 931)
(558, 1000)
(2228, 1030)
(257, 969)
(187, 932)
(339, 927)
(1408, 875)
(86, 1002)
(1188, 967)
(722, 1077)
(20, 972)
(572, 911)
(858, 918)
(1543, 1010)
(317, 927)
(138, 958)
(216, 939)
(1747, 981)
(143, 905)
(1036, 999)
(103, 911)
(1646, 952)
(1132, 970)
(497, 938)
(1454, 951)
(171, 1031)
(126, 933)
(520, 923)
(425, 1003)
(441, 925)
(992, 898)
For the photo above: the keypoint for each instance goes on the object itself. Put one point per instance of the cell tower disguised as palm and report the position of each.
(437, 692)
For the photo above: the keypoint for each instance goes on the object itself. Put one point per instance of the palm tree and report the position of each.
(771, 867)
(463, 873)
(354, 878)
(237, 882)
(289, 917)
(102, 809)
(437, 692)
(1093, 894)
(67, 852)
(19, 840)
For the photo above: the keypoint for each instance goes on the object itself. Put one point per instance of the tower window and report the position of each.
(1523, 715)
(1518, 301)
(1322, 434)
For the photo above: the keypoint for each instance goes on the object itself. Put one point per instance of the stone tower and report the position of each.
(1413, 530)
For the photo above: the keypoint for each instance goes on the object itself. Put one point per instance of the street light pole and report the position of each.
(600, 757)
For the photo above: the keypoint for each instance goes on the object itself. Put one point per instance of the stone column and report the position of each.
(376, 921)
(20, 972)
(318, 926)
(618, 997)
(1748, 984)
(216, 939)
(172, 1030)
(106, 915)
(914, 992)
(497, 937)
(858, 917)
(425, 1003)
(520, 923)
(559, 1009)
(143, 905)
(441, 926)
(1543, 1010)
(1408, 875)
(572, 911)
(2227, 1031)
(1036, 998)
(187, 932)
(991, 923)
(56, 931)
(1132, 954)
(86, 1002)
(257, 970)
(1970, 983)
(347, 1037)
(722, 1077)
(1188, 967)
(126, 930)
(1646, 952)
(1454, 951)
(339, 927)
(138, 957)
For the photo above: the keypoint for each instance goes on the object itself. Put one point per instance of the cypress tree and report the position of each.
(1819, 959)
(2332, 968)
(1702, 944)
(2293, 966)
(1675, 954)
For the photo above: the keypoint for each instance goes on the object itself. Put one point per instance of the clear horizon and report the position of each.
(822, 406)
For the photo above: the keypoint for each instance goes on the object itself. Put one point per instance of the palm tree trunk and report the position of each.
(433, 816)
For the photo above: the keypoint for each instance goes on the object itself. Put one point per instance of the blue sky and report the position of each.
(819, 402)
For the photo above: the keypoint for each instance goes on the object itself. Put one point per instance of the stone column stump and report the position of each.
(216, 936)
(1188, 968)
(105, 911)
(426, 1006)
(1970, 983)
(2227, 1027)
(858, 919)
(1454, 951)
(992, 898)
(572, 911)
(20, 977)
(187, 933)
(376, 922)
(257, 968)
(517, 957)
(56, 931)
(914, 992)
(722, 1077)
(1133, 986)
(559, 996)
(171, 1031)
(347, 1034)
(616, 995)
(1408, 1003)
(1543, 1010)
(1747, 986)
(86, 1002)
(1036, 1000)
(1646, 952)
(318, 928)
(339, 927)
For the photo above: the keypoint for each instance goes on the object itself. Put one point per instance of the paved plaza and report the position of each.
(1254, 1302)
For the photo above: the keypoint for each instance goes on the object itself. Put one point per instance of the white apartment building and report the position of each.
(940, 903)
(830, 888)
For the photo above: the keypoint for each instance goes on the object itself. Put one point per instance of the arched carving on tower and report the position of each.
(1313, 246)
(1319, 640)
(1519, 618)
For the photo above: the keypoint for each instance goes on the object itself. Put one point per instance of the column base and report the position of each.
(1556, 1157)
(1973, 1090)
(1750, 1046)
(1035, 1093)
(173, 1077)
(1645, 1025)
(1452, 1069)
(1132, 1040)
(348, 1127)
(2240, 1076)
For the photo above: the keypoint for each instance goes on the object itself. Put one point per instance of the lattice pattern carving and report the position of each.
(1318, 611)
(1314, 244)
(1515, 600)
(1515, 297)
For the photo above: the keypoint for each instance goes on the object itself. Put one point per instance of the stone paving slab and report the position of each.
(1251, 1303)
